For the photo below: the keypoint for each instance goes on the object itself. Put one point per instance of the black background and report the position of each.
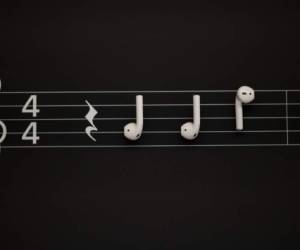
(184, 198)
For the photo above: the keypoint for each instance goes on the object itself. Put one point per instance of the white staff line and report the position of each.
(145, 105)
(146, 118)
(158, 132)
(122, 91)
(151, 146)
(142, 91)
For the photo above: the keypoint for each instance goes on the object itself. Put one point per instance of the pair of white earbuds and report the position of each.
(190, 130)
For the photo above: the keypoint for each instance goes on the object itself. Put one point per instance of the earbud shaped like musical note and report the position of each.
(133, 131)
(244, 95)
(190, 130)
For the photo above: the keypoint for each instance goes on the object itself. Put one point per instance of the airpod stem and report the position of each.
(196, 111)
(239, 114)
(139, 112)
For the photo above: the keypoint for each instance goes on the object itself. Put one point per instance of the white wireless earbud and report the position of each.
(190, 130)
(244, 95)
(133, 131)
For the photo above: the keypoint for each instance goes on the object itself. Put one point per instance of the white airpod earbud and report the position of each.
(133, 131)
(190, 130)
(244, 95)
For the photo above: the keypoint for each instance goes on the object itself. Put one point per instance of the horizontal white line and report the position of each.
(146, 118)
(145, 105)
(158, 132)
(151, 146)
(143, 91)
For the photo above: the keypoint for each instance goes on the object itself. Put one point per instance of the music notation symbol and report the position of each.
(90, 117)
(273, 119)
(4, 132)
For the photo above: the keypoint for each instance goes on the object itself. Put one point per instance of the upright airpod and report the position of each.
(244, 95)
(190, 130)
(133, 131)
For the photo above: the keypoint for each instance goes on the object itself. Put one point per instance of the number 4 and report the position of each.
(31, 106)
(32, 127)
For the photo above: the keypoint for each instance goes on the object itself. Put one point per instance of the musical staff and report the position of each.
(272, 120)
